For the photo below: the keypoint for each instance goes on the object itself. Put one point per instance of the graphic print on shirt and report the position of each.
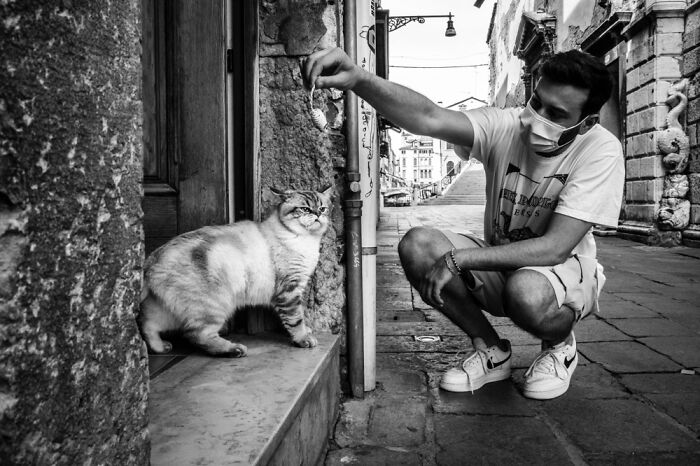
(526, 203)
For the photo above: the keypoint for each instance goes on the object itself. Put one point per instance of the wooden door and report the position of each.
(185, 117)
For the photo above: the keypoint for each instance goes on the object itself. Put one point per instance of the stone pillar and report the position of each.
(73, 368)
(653, 65)
(691, 66)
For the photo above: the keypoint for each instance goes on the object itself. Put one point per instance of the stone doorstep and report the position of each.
(207, 410)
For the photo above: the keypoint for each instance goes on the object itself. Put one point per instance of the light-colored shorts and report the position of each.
(577, 282)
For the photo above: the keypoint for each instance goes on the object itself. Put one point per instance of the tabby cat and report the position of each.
(194, 283)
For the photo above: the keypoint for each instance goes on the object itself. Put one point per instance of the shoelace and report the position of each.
(546, 363)
(474, 360)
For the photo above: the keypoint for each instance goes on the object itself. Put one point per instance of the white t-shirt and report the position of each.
(523, 189)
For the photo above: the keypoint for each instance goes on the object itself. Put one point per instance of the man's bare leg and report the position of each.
(418, 250)
(530, 302)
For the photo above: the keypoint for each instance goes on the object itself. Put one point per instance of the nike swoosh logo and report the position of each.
(567, 361)
(492, 365)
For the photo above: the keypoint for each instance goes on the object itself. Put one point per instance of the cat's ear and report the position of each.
(328, 192)
(282, 194)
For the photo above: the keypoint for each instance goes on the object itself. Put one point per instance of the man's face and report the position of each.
(559, 103)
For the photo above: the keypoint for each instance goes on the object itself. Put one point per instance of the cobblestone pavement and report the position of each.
(634, 398)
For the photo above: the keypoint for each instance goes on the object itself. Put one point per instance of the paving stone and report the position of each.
(372, 456)
(683, 407)
(400, 315)
(659, 303)
(599, 426)
(418, 328)
(401, 381)
(687, 320)
(651, 327)
(398, 422)
(590, 329)
(406, 344)
(392, 281)
(623, 281)
(662, 383)
(516, 335)
(496, 440)
(645, 458)
(683, 350)
(619, 308)
(589, 381)
(353, 422)
(395, 299)
(496, 398)
(627, 356)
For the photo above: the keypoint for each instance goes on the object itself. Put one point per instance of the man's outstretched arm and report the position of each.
(403, 106)
(552, 248)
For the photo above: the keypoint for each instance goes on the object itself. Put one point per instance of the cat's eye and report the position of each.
(323, 209)
(304, 210)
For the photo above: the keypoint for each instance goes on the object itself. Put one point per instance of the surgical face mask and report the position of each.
(544, 136)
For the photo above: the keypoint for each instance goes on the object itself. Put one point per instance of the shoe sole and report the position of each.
(461, 388)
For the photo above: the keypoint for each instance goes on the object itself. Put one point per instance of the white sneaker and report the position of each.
(550, 374)
(484, 365)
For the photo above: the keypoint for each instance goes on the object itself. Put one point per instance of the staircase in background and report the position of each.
(469, 188)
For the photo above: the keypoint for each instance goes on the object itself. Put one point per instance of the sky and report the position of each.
(425, 44)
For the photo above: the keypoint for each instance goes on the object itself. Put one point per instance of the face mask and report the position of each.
(544, 136)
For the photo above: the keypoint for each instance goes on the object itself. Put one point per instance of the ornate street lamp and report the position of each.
(396, 22)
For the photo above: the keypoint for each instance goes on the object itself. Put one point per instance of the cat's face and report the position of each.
(305, 212)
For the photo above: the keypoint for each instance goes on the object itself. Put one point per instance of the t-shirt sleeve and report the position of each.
(593, 190)
(487, 122)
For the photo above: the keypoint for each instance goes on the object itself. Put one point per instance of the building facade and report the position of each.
(650, 48)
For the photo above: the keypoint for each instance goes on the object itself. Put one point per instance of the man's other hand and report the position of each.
(330, 68)
(435, 280)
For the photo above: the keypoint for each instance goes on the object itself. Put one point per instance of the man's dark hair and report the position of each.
(580, 69)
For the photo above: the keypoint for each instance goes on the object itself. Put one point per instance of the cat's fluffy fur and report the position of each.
(194, 283)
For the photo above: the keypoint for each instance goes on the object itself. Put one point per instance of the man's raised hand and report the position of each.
(330, 68)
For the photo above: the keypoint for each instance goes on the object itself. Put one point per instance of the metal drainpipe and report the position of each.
(353, 216)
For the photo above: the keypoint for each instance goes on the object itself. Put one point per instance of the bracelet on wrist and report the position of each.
(449, 265)
(454, 261)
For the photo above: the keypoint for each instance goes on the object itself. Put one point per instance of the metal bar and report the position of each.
(353, 216)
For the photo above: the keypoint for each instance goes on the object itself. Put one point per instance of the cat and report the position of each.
(195, 283)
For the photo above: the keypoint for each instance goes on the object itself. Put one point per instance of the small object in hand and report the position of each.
(317, 115)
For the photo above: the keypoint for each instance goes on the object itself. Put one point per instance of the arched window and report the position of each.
(450, 167)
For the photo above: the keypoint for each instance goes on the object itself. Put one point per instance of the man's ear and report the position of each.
(589, 123)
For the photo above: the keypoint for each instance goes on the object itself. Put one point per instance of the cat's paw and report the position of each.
(307, 341)
(163, 347)
(237, 351)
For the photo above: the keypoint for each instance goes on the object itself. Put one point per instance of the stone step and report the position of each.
(277, 405)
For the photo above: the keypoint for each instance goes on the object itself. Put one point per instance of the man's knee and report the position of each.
(527, 297)
(418, 249)
(416, 243)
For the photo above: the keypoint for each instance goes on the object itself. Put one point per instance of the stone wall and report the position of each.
(294, 154)
(73, 370)
(691, 66)
(654, 44)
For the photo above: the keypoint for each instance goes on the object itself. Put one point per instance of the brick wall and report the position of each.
(653, 64)
(691, 66)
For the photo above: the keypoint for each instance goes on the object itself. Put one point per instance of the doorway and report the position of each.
(199, 62)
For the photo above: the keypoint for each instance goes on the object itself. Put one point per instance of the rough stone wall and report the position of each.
(653, 65)
(505, 87)
(294, 154)
(691, 66)
(73, 370)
